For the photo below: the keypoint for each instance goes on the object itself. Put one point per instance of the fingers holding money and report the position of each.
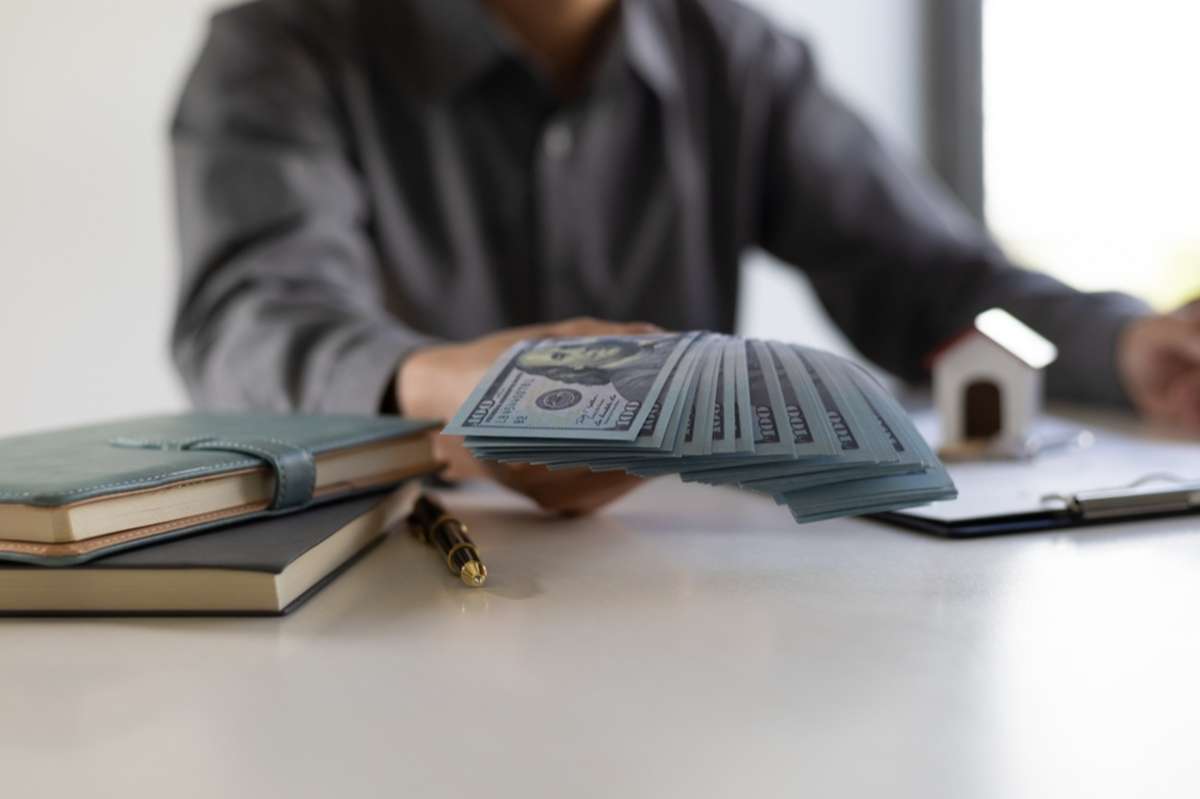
(808, 428)
(570, 492)
(589, 326)
(434, 381)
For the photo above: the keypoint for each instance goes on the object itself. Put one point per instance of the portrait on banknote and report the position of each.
(631, 365)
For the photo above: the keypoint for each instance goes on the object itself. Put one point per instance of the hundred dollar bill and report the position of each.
(908, 460)
(691, 421)
(699, 436)
(769, 425)
(656, 432)
(654, 440)
(860, 449)
(723, 399)
(609, 455)
(870, 495)
(775, 428)
(590, 388)
(913, 449)
(886, 439)
(801, 407)
(794, 409)
(761, 423)
(892, 435)
(743, 414)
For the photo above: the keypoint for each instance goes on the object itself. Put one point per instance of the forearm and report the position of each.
(281, 306)
(1085, 327)
(898, 311)
(896, 260)
(264, 350)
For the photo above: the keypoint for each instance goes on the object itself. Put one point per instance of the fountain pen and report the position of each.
(430, 522)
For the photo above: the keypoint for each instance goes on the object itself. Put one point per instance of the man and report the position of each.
(369, 189)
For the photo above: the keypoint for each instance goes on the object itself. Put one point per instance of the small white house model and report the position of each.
(987, 386)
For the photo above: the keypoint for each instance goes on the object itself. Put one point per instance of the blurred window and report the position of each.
(1092, 141)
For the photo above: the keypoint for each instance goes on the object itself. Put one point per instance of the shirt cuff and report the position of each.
(1086, 369)
(366, 370)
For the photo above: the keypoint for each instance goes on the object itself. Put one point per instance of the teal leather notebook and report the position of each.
(70, 496)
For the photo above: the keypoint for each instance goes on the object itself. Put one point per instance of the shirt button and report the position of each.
(558, 141)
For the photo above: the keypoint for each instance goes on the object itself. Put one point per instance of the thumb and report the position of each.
(1189, 311)
(1182, 401)
(1171, 336)
(1185, 339)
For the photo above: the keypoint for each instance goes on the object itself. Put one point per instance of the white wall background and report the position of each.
(86, 248)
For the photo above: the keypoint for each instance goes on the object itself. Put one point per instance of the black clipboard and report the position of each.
(1081, 509)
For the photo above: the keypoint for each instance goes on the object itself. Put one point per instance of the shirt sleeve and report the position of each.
(899, 265)
(279, 304)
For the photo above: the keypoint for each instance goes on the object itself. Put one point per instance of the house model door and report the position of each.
(982, 411)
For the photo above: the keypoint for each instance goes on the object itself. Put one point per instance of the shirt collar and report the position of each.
(650, 38)
(448, 44)
(435, 46)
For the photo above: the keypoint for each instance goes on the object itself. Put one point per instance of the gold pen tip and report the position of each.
(474, 574)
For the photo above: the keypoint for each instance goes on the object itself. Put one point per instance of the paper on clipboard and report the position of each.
(1119, 455)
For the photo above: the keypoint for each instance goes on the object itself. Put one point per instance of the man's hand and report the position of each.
(434, 381)
(1159, 361)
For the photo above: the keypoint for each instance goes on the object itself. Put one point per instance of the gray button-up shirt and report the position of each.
(357, 178)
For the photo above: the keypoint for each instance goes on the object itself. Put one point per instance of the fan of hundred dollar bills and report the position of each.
(812, 430)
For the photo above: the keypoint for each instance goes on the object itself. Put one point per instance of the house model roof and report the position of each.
(1012, 336)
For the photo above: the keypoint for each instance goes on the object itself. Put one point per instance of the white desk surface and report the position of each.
(689, 642)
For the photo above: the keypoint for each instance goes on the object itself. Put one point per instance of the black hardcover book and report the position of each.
(262, 567)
